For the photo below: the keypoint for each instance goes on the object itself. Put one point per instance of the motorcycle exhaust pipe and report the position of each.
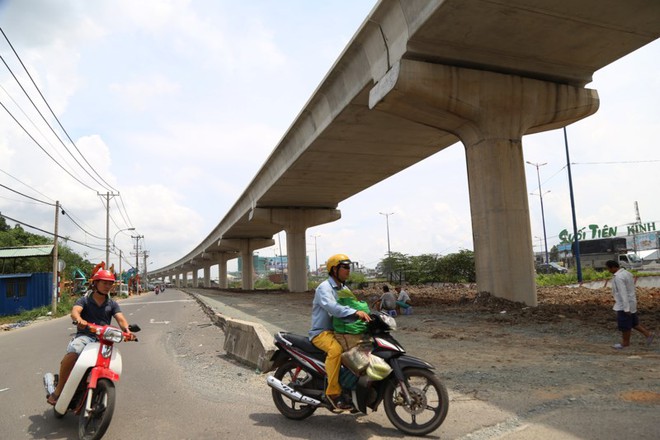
(290, 392)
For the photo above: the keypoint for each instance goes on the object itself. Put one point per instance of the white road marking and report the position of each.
(152, 321)
(4, 389)
(123, 303)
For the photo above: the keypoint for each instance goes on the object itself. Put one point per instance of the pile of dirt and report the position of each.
(554, 304)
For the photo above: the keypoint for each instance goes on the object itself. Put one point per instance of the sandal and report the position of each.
(52, 399)
(649, 340)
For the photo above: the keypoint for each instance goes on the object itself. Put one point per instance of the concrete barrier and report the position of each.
(249, 342)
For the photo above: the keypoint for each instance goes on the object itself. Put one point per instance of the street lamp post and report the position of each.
(538, 176)
(387, 223)
(113, 245)
(316, 256)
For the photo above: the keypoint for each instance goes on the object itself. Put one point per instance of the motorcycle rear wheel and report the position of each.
(430, 403)
(292, 375)
(94, 425)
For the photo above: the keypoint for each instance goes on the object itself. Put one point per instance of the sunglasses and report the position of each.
(345, 266)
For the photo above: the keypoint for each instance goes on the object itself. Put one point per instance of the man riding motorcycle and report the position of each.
(321, 334)
(96, 307)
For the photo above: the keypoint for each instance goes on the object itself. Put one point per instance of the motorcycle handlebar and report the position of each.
(97, 329)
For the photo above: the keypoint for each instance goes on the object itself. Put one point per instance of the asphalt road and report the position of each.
(176, 384)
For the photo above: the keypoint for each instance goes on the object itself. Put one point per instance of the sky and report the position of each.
(176, 104)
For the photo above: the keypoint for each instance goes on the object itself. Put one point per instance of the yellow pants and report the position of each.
(326, 341)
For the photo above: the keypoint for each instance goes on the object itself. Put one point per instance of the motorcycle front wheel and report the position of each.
(292, 375)
(428, 407)
(93, 424)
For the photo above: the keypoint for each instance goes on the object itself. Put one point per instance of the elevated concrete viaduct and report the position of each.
(417, 77)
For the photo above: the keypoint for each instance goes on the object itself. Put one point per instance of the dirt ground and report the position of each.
(552, 364)
(560, 349)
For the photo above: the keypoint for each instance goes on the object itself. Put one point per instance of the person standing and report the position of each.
(625, 305)
(321, 334)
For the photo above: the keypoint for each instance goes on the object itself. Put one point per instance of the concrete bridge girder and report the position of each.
(489, 112)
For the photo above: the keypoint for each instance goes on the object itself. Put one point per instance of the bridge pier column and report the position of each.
(207, 276)
(222, 269)
(195, 274)
(295, 222)
(246, 246)
(177, 281)
(184, 279)
(489, 112)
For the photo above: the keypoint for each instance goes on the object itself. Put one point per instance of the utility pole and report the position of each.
(387, 221)
(146, 255)
(137, 255)
(55, 258)
(107, 196)
(545, 237)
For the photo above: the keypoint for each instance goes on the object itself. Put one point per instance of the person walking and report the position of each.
(625, 305)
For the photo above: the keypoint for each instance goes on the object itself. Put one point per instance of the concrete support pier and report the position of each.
(246, 247)
(295, 222)
(489, 112)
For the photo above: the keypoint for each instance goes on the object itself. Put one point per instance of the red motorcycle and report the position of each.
(90, 390)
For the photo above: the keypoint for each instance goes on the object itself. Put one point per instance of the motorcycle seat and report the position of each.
(303, 343)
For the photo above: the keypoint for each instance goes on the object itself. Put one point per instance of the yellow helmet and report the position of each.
(336, 260)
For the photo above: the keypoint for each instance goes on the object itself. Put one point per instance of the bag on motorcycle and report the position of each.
(357, 358)
(378, 369)
(347, 298)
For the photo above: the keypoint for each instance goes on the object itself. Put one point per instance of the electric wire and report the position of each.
(42, 149)
(25, 195)
(25, 184)
(52, 234)
(107, 185)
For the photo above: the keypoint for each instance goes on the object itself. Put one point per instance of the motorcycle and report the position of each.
(415, 400)
(90, 390)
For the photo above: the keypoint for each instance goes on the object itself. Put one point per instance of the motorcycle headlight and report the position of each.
(388, 321)
(113, 335)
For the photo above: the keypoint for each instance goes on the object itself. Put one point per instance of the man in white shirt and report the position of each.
(625, 305)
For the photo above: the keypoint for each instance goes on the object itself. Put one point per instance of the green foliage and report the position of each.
(426, 268)
(17, 236)
(357, 280)
(266, 284)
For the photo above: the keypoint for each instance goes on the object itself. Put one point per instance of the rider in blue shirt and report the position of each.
(324, 307)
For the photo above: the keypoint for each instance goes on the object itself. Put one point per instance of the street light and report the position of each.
(316, 255)
(107, 256)
(387, 222)
(545, 237)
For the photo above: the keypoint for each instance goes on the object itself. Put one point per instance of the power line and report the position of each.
(52, 113)
(23, 183)
(50, 233)
(42, 149)
(25, 195)
(616, 163)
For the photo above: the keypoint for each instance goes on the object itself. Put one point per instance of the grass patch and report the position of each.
(63, 309)
(588, 274)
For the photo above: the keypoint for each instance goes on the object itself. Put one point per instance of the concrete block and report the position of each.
(249, 342)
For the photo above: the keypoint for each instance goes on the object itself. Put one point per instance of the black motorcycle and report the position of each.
(415, 400)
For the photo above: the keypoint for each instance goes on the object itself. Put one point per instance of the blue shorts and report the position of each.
(626, 321)
(78, 343)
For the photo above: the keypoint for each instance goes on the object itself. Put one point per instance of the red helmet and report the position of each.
(104, 275)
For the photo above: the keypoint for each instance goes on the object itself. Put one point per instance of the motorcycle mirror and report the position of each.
(134, 328)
